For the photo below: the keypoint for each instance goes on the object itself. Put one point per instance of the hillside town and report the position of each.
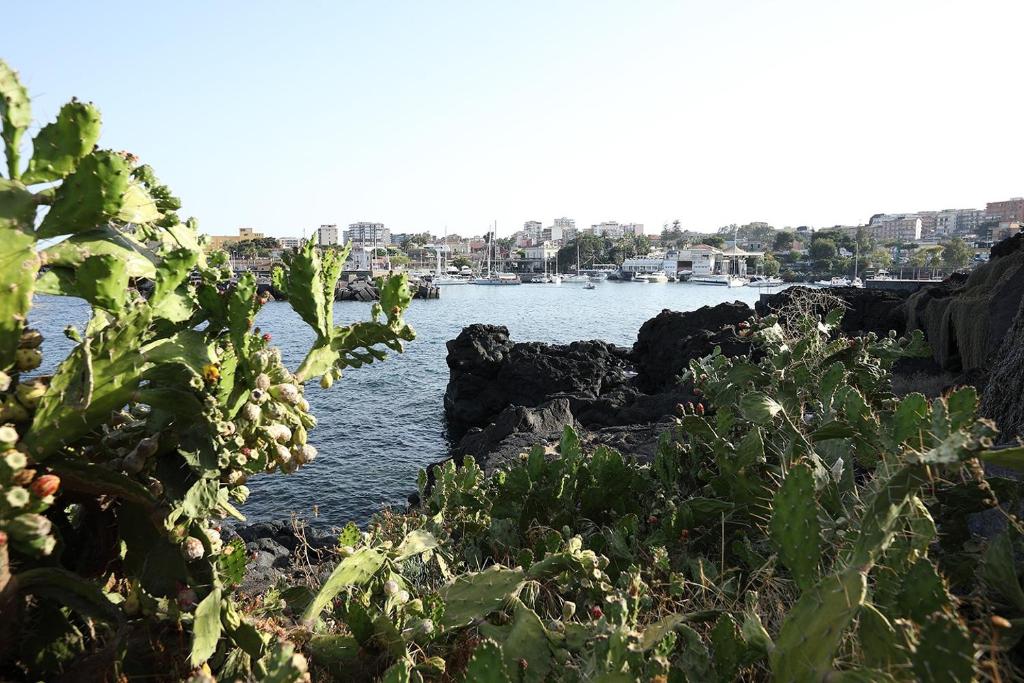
(924, 244)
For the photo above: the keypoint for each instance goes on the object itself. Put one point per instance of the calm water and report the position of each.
(380, 424)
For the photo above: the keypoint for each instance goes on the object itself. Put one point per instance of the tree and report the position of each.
(823, 249)
(956, 253)
(881, 258)
(783, 241)
(918, 261)
(713, 241)
(771, 265)
(461, 261)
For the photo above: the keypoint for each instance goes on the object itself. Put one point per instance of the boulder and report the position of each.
(516, 430)
(488, 373)
(668, 342)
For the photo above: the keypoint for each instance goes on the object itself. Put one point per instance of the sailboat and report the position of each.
(493, 278)
(442, 278)
(578, 277)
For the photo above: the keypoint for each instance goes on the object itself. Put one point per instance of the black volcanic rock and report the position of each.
(668, 342)
(488, 373)
(867, 310)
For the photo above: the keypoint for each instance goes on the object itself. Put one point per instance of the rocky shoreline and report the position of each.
(503, 397)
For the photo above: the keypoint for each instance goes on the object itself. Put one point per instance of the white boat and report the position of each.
(641, 277)
(720, 280)
(578, 278)
(765, 281)
(599, 277)
(449, 280)
(856, 282)
(657, 277)
(835, 282)
(590, 285)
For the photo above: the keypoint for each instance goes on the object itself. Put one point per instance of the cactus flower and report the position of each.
(45, 485)
(9, 437)
(192, 549)
(211, 373)
(16, 497)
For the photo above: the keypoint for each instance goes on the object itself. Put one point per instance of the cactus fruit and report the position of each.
(794, 525)
(45, 486)
(192, 549)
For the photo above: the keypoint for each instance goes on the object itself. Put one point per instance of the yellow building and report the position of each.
(220, 241)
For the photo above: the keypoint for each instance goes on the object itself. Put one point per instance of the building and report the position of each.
(565, 223)
(540, 253)
(367, 233)
(290, 242)
(399, 237)
(958, 221)
(636, 229)
(610, 229)
(894, 227)
(929, 220)
(327, 235)
(1008, 211)
(1005, 230)
(244, 234)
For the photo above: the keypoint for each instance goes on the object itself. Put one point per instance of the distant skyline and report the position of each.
(421, 115)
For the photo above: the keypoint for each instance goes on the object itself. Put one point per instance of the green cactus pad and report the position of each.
(795, 528)
(880, 644)
(475, 595)
(944, 652)
(15, 116)
(355, 570)
(89, 197)
(923, 592)
(59, 146)
(487, 665)
(814, 628)
(526, 647)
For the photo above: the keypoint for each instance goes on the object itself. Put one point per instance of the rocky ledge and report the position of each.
(503, 397)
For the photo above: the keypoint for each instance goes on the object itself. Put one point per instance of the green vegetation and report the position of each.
(116, 469)
(799, 523)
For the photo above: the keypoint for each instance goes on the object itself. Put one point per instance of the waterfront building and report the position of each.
(290, 242)
(1009, 210)
(216, 242)
(327, 235)
(367, 233)
(958, 221)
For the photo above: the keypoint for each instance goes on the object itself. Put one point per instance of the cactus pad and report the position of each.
(473, 596)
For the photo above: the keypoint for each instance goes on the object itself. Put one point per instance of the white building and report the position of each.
(633, 229)
(541, 252)
(610, 229)
(327, 235)
(369, 233)
(290, 242)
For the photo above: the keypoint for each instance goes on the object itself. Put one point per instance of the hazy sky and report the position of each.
(283, 116)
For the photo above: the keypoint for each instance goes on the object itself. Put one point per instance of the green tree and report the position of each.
(713, 241)
(822, 249)
(461, 261)
(771, 265)
(957, 254)
(783, 241)
(881, 258)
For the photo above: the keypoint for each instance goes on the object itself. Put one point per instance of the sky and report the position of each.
(421, 115)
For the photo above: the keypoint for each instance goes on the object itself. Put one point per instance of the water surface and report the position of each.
(380, 424)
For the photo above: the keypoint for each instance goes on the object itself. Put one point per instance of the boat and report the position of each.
(835, 282)
(590, 285)
(496, 278)
(641, 277)
(599, 277)
(578, 277)
(765, 281)
(720, 279)
(449, 280)
(657, 277)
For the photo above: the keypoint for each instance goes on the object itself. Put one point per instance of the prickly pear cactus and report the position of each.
(795, 527)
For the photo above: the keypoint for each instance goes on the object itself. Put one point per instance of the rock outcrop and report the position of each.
(966, 320)
(1003, 400)
(867, 310)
